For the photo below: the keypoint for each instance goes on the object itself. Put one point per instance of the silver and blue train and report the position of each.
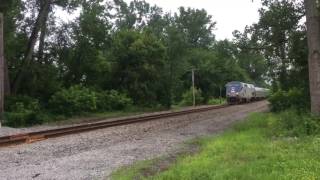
(239, 92)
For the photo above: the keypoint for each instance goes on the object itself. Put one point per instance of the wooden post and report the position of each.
(1, 70)
(220, 96)
(193, 89)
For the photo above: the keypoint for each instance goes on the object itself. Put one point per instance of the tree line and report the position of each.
(135, 48)
(146, 54)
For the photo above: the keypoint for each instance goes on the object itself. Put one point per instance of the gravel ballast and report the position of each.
(94, 155)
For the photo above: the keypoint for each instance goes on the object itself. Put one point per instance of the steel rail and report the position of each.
(45, 134)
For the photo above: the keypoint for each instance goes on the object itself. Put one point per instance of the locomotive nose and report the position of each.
(233, 94)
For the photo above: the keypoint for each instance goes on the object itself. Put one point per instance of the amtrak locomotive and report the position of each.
(239, 92)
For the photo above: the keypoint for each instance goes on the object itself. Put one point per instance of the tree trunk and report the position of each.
(43, 13)
(283, 67)
(42, 35)
(1, 69)
(313, 33)
(7, 89)
(41, 42)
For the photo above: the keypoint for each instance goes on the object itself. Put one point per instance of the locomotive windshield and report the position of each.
(234, 87)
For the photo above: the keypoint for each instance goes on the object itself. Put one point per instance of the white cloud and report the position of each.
(230, 15)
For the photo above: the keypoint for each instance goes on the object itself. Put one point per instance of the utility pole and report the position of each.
(193, 89)
(1, 70)
(220, 94)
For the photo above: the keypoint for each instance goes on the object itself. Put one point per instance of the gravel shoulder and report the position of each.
(94, 155)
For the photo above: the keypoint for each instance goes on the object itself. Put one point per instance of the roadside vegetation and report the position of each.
(281, 144)
(119, 57)
(78, 104)
(115, 55)
(265, 146)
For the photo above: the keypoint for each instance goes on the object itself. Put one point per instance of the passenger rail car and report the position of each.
(239, 92)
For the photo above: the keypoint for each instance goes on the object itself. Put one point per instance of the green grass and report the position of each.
(247, 151)
(217, 101)
(51, 119)
(90, 117)
(27, 118)
(48, 118)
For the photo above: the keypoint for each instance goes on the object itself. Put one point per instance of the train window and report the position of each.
(234, 88)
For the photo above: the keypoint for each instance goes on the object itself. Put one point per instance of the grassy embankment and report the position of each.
(128, 112)
(91, 117)
(21, 119)
(266, 146)
(53, 119)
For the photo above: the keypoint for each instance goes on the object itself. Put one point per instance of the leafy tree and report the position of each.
(176, 63)
(197, 26)
(279, 21)
(138, 14)
(86, 61)
(280, 38)
(44, 7)
(138, 66)
(119, 51)
(249, 57)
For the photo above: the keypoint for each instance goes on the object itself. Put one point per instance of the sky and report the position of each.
(230, 15)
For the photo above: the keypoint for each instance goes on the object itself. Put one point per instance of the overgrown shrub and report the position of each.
(15, 103)
(294, 98)
(22, 119)
(73, 101)
(293, 123)
(112, 100)
(289, 123)
(22, 111)
(216, 101)
(187, 97)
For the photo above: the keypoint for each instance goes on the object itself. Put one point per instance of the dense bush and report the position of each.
(14, 103)
(22, 111)
(26, 111)
(77, 100)
(294, 98)
(112, 100)
(22, 118)
(73, 101)
(187, 97)
(289, 123)
(293, 123)
(215, 101)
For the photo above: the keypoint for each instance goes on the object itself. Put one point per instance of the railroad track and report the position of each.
(42, 135)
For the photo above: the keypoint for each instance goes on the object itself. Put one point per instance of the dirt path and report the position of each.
(94, 155)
